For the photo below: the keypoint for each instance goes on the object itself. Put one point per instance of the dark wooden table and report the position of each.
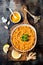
(36, 9)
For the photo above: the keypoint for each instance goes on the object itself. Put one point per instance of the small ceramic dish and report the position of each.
(17, 19)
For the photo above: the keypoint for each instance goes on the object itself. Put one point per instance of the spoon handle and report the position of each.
(12, 13)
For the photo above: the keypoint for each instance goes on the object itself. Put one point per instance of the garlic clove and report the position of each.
(4, 20)
(5, 27)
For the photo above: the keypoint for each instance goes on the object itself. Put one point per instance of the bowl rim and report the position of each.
(35, 37)
(19, 15)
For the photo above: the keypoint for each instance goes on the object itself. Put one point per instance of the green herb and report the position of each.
(25, 37)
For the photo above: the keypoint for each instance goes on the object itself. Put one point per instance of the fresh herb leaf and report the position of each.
(25, 37)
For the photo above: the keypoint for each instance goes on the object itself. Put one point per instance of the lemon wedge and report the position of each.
(15, 54)
(5, 48)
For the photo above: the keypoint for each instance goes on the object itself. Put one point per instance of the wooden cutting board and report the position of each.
(24, 55)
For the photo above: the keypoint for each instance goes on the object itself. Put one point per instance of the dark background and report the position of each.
(36, 8)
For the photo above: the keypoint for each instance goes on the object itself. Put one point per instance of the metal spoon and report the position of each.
(36, 18)
(12, 12)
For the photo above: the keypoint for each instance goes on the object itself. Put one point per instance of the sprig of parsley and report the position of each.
(25, 37)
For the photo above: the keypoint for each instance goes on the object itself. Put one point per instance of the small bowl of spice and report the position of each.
(16, 17)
